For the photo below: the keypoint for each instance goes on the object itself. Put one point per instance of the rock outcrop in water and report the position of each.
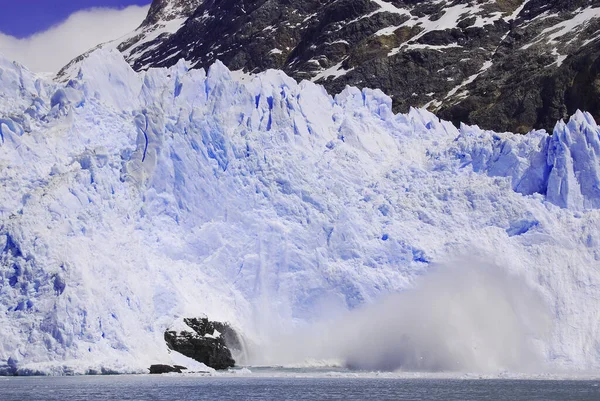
(160, 369)
(205, 341)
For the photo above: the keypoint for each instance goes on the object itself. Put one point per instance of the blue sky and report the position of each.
(45, 35)
(22, 18)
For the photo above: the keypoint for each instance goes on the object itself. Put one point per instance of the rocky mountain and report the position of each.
(507, 65)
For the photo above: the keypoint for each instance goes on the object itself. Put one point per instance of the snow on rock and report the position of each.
(179, 326)
(131, 200)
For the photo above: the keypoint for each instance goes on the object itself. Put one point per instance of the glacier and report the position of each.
(129, 200)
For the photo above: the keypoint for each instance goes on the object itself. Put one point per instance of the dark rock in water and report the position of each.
(9, 368)
(206, 341)
(160, 369)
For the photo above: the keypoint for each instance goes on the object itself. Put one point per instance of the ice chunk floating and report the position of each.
(131, 200)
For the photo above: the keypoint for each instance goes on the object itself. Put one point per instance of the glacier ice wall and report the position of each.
(563, 167)
(129, 200)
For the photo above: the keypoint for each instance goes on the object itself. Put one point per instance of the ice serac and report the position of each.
(563, 166)
(19, 88)
(130, 200)
(529, 64)
(573, 152)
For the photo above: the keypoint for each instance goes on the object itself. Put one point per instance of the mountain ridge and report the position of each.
(503, 65)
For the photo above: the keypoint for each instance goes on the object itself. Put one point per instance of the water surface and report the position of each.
(183, 388)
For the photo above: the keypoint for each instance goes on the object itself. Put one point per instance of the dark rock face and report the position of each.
(168, 10)
(9, 368)
(502, 64)
(207, 342)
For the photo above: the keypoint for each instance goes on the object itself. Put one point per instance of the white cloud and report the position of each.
(51, 50)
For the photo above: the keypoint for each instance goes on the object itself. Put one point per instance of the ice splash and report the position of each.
(465, 317)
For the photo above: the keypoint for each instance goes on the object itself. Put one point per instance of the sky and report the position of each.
(44, 35)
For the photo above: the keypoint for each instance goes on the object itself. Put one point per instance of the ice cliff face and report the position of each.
(563, 167)
(132, 199)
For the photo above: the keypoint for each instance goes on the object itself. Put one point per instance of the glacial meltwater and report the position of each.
(183, 388)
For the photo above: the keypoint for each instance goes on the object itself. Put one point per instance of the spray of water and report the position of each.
(466, 317)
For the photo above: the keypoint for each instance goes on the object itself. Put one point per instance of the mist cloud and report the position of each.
(462, 317)
(50, 50)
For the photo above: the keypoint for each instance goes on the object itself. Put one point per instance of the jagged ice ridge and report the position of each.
(132, 199)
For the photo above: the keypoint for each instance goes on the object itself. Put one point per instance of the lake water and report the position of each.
(182, 388)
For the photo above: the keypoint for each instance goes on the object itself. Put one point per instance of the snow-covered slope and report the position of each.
(129, 200)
